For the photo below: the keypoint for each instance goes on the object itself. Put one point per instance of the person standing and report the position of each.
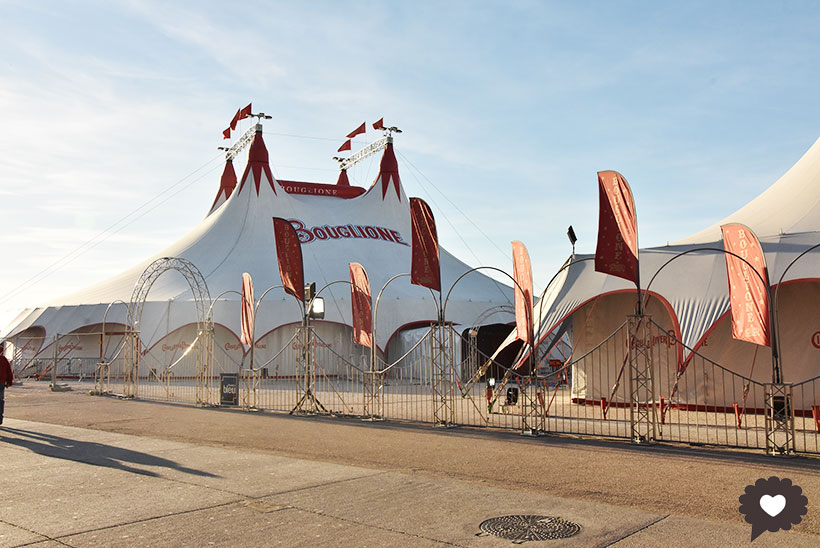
(6, 378)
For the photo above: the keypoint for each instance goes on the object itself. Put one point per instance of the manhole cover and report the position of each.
(523, 528)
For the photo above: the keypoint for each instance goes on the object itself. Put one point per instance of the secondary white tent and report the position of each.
(337, 224)
(689, 297)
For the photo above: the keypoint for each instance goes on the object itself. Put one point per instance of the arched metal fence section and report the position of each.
(443, 379)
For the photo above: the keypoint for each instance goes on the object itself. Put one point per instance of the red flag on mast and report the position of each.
(360, 300)
(522, 274)
(235, 119)
(379, 124)
(226, 134)
(747, 292)
(424, 270)
(358, 131)
(289, 255)
(247, 316)
(245, 112)
(345, 146)
(617, 249)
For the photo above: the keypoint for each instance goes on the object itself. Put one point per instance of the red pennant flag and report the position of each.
(360, 299)
(425, 270)
(226, 134)
(245, 112)
(747, 292)
(358, 131)
(247, 316)
(617, 249)
(522, 274)
(345, 146)
(289, 255)
(379, 124)
(235, 120)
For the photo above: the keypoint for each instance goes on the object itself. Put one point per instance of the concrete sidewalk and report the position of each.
(66, 485)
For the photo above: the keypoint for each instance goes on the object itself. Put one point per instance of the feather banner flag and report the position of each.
(522, 274)
(617, 249)
(425, 270)
(748, 293)
(361, 303)
(289, 255)
(358, 131)
(345, 146)
(379, 124)
(247, 317)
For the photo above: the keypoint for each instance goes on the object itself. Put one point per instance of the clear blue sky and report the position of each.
(508, 110)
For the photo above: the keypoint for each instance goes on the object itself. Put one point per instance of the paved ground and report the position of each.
(80, 471)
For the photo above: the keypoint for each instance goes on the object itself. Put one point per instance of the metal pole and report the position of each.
(54, 367)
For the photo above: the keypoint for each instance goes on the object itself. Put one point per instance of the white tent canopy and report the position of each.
(693, 289)
(370, 226)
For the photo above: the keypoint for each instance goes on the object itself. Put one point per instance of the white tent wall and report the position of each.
(799, 328)
(77, 353)
(333, 346)
(170, 349)
(593, 375)
(416, 369)
(26, 346)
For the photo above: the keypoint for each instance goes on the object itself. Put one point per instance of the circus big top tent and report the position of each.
(337, 224)
(689, 296)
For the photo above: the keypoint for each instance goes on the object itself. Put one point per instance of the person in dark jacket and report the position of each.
(6, 378)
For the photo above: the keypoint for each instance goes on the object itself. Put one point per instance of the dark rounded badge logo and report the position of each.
(773, 504)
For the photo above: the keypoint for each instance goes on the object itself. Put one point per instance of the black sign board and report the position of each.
(229, 389)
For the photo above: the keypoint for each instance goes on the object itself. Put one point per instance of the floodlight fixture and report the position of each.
(572, 238)
(571, 235)
(317, 309)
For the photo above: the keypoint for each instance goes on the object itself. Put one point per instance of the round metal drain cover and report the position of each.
(523, 528)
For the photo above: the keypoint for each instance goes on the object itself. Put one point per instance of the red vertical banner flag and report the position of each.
(747, 290)
(247, 318)
(424, 270)
(289, 255)
(522, 274)
(360, 300)
(617, 249)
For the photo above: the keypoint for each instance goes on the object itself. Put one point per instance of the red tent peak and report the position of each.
(343, 180)
(258, 163)
(226, 185)
(389, 171)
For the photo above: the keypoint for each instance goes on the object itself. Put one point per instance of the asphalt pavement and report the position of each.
(80, 470)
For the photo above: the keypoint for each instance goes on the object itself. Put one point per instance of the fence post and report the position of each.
(306, 387)
(779, 419)
(443, 411)
(54, 363)
(642, 412)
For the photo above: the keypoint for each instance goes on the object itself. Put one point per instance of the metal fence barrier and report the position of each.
(639, 383)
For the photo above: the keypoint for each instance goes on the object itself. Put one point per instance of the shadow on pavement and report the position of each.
(97, 454)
